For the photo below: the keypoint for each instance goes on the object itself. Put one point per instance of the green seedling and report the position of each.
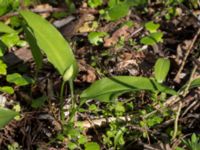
(96, 37)
(154, 36)
(95, 3)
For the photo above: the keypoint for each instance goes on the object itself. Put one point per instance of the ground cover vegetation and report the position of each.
(99, 74)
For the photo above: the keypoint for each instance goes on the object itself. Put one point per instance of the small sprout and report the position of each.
(95, 3)
(152, 39)
(96, 37)
(152, 27)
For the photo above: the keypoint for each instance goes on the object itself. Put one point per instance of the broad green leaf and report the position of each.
(50, 40)
(96, 37)
(5, 28)
(151, 26)
(107, 87)
(152, 39)
(95, 3)
(37, 55)
(7, 89)
(18, 79)
(92, 146)
(3, 68)
(118, 11)
(161, 69)
(195, 83)
(6, 116)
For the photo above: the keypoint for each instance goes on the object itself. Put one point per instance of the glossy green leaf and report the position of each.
(161, 69)
(92, 146)
(51, 42)
(37, 55)
(5, 28)
(152, 39)
(18, 79)
(6, 116)
(195, 83)
(151, 26)
(96, 37)
(7, 89)
(106, 88)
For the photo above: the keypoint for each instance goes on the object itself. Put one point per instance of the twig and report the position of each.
(185, 92)
(186, 56)
(11, 14)
(176, 121)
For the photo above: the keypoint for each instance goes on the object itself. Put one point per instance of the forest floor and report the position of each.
(138, 120)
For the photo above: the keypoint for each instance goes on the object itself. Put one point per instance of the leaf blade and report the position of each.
(106, 87)
(6, 116)
(161, 69)
(51, 42)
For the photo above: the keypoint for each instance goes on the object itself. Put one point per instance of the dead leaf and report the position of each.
(123, 31)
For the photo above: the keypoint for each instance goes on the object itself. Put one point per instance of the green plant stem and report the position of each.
(73, 109)
(62, 101)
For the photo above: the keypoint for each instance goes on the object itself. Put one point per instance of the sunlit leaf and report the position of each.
(96, 37)
(117, 11)
(106, 88)
(10, 39)
(151, 26)
(51, 42)
(161, 69)
(18, 79)
(95, 3)
(92, 146)
(7, 89)
(6, 116)
(3, 68)
(5, 28)
(152, 39)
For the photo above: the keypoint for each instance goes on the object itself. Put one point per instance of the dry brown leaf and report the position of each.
(123, 31)
(44, 7)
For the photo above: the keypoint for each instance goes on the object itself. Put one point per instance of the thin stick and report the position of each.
(176, 121)
(186, 56)
(11, 14)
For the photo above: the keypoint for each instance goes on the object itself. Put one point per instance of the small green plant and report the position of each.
(193, 143)
(95, 3)
(110, 88)
(96, 37)
(154, 36)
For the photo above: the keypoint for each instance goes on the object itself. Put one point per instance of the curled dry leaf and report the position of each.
(87, 73)
(123, 31)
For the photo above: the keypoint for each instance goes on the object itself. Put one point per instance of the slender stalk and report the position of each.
(72, 110)
(62, 101)
(176, 121)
